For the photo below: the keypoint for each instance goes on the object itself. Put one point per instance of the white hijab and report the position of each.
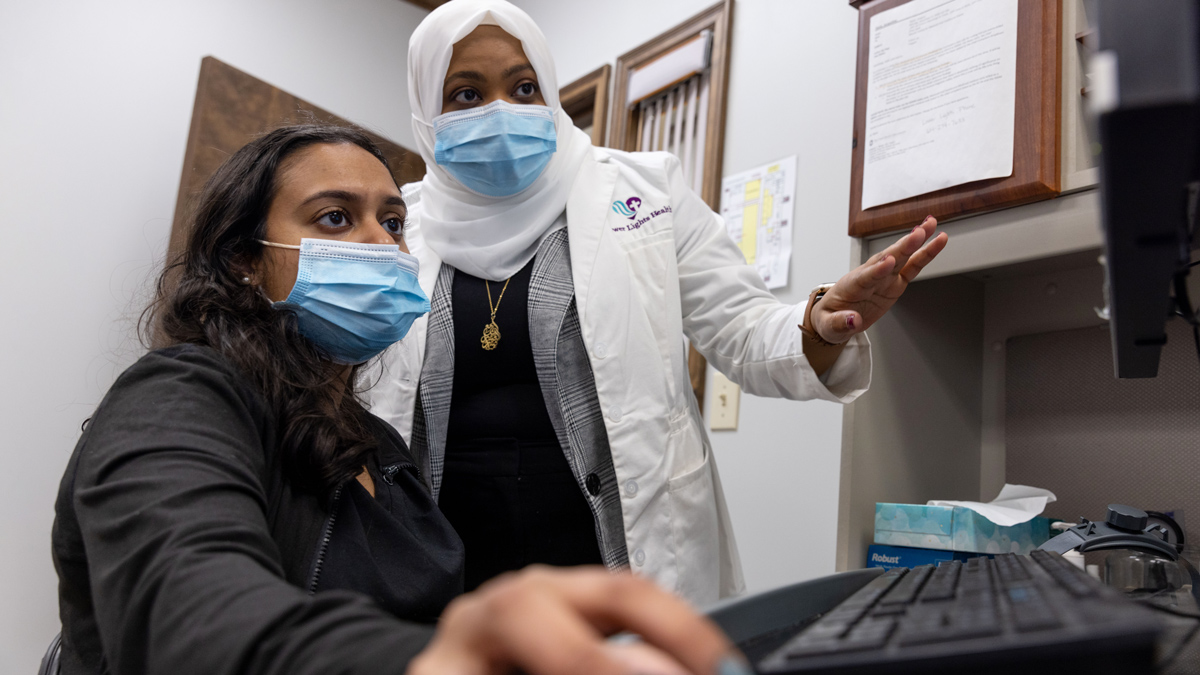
(487, 237)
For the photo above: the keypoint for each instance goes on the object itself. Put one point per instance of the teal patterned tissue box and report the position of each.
(954, 528)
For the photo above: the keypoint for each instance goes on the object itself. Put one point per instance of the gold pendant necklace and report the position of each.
(491, 332)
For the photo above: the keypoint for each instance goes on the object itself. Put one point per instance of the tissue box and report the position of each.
(888, 557)
(954, 528)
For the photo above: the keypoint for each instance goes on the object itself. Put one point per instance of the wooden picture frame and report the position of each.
(231, 109)
(586, 102)
(623, 129)
(1036, 155)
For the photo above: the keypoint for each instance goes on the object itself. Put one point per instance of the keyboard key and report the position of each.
(905, 591)
(870, 633)
(856, 605)
(844, 614)
(976, 576)
(942, 582)
(889, 610)
(1012, 572)
(1030, 611)
(824, 631)
(1027, 621)
(802, 649)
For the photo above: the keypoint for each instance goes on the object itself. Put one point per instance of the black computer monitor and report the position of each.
(1145, 93)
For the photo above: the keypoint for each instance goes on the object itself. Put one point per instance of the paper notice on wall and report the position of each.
(941, 97)
(757, 208)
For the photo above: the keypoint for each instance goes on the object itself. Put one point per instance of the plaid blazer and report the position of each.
(565, 375)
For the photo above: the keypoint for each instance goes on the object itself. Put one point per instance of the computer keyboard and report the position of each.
(1011, 614)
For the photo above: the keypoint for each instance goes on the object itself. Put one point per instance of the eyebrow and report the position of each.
(476, 76)
(468, 75)
(333, 194)
(343, 195)
(515, 69)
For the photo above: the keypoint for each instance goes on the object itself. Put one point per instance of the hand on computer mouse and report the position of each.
(546, 621)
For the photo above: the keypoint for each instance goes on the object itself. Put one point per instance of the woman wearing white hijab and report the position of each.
(554, 415)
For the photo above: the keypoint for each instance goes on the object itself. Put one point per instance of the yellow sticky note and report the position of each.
(768, 206)
(753, 190)
(749, 231)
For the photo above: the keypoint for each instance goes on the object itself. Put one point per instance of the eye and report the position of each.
(466, 96)
(526, 89)
(334, 219)
(394, 226)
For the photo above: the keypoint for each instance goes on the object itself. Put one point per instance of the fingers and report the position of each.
(643, 659)
(547, 621)
(544, 636)
(515, 621)
(910, 243)
(662, 619)
(866, 276)
(923, 257)
(900, 253)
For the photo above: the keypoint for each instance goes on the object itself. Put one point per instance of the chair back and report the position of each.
(50, 662)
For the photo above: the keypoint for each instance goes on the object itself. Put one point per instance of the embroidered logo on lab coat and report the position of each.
(628, 208)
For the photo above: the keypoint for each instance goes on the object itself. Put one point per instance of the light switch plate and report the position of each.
(725, 398)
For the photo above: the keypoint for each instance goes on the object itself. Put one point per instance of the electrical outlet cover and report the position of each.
(724, 405)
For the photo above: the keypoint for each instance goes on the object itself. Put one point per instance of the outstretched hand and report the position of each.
(868, 291)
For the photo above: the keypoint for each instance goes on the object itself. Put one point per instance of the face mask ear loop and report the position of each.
(271, 243)
(259, 287)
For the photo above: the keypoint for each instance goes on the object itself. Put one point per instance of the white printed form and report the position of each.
(941, 97)
(757, 207)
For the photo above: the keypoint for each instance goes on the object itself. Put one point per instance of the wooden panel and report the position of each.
(1036, 144)
(231, 109)
(586, 101)
(428, 4)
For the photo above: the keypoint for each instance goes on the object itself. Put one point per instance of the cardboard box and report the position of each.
(887, 557)
(954, 528)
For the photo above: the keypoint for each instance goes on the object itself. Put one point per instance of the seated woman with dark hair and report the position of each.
(233, 508)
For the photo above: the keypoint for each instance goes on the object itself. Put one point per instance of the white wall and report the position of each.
(791, 92)
(95, 102)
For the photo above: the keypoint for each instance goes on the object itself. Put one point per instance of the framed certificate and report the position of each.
(951, 90)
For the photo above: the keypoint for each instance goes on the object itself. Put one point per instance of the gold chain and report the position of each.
(491, 332)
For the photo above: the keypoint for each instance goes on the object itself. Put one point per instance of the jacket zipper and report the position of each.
(312, 585)
(389, 472)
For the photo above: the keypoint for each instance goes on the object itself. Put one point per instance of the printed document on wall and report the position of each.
(757, 208)
(941, 97)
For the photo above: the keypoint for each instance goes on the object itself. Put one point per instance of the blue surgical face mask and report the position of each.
(498, 149)
(354, 300)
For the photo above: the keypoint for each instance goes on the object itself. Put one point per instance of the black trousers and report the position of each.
(515, 504)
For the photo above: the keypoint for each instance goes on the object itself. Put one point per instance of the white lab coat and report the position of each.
(640, 284)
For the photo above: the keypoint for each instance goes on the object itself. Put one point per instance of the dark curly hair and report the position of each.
(324, 435)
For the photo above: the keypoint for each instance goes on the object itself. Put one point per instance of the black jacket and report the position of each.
(181, 548)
